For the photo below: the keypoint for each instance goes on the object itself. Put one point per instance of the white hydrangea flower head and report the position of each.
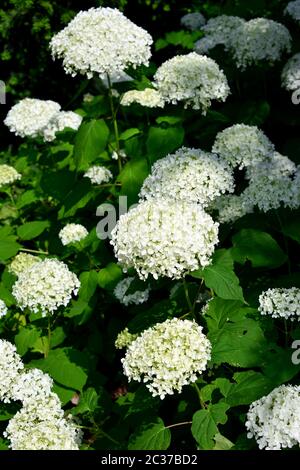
(274, 420)
(101, 41)
(194, 79)
(3, 308)
(40, 425)
(168, 356)
(275, 167)
(149, 98)
(218, 31)
(72, 233)
(45, 286)
(231, 207)
(63, 120)
(164, 238)
(290, 76)
(98, 174)
(30, 116)
(193, 21)
(124, 339)
(271, 183)
(259, 40)
(293, 10)
(137, 297)
(8, 175)
(31, 385)
(242, 145)
(21, 262)
(190, 175)
(295, 200)
(10, 368)
(281, 303)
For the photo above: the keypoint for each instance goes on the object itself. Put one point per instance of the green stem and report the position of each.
(202, 404)
(28, 250)
(179, 424)
(187, 295)
(46, 354)
(286, 332)
(115, 122)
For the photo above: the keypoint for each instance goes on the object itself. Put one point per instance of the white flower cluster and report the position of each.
(290, 76)
(45, 286)
(3, 308)
(167, 356)
(101, 41)
(72, 233)
(98, 174)
(194, 79)
(149, 97)
(281, 303)
(137, 297)
(63, 120)
(190, 175)
(231, 207)
(259, 40)
(21, 262)
(271, 184)
(10, 368)
(124, 339)
(242, 146)
(193, 21)
(40, 118)
(8, 175)
(164, 238)
(293, 9)
(274, 420)
(40, 424)
(218, 31)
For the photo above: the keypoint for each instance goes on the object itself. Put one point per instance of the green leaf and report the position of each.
(89, 282)
(235, 339)
(31, 230)
(132, 177)
(58, 184)
(109, 276)
(162, 141)
(220, 276)
(249, 386)
(90, 142)
(205, 424)
(66, 366)
(171, 120)
(292, 229)
(222, 443)
(151, 436)
(76, 199)
(8, 249)
(129, 133)
(258, 247)
(26, 198)
(88, 401)
(65, 394)
(278, 365)
(26, 338)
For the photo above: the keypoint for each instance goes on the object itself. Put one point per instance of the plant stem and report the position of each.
(46, 354)
(115, 122)
(178, 424)
(28, 250)
(286, 332)
(202, 404)
(187, 295)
